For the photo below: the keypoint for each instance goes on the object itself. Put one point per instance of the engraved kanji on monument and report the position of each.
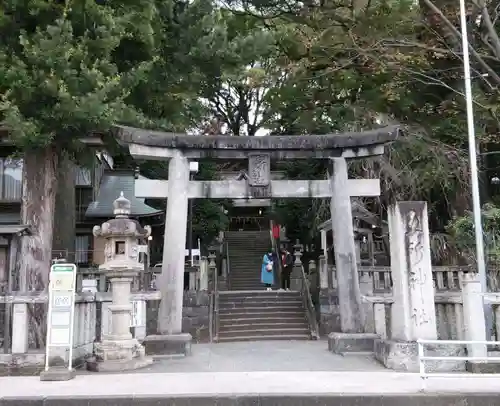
(259, 175)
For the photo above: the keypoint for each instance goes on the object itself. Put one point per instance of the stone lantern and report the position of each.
(119, 351)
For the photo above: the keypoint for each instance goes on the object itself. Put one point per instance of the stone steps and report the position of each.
(245, 269)
(257, 306)
(278, 332)
(260, 326)
(254, 337)
(243, 281)
(263, 309)
(245, 313)
(261, 315)
(248, 312)
(246, 249)
(247, 281)
(248, 286)
(259, 296)
(245, 319)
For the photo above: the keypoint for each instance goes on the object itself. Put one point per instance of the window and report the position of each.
(120, 247)
(82, 249)
(4, 264)
(83, 176)
(11, 175)
(83, 197)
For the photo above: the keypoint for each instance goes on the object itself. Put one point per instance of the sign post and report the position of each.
(60, 320)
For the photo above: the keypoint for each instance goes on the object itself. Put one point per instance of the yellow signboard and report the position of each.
(62, 281)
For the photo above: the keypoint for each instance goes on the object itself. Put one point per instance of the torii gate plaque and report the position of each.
(179, 148)
(259, 175)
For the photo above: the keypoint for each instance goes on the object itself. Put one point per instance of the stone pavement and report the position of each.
(251, 369)
(243, 383)
(264, 356)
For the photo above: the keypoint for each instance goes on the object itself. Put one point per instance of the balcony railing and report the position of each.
(11, 173)
(11, 185)
(81, 257)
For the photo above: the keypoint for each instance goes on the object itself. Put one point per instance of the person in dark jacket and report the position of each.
(286, 268)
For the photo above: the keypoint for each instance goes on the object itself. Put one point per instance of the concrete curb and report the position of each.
(422, 399)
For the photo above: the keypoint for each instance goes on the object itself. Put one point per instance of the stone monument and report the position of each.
(413, 311)
(119, 351)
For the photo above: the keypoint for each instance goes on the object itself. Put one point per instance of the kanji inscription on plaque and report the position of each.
(259, 169)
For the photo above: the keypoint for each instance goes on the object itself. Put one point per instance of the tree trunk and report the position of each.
(37, 211)
(65, 222)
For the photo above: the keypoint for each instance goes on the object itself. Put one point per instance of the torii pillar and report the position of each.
(352, 337)
(170, 339)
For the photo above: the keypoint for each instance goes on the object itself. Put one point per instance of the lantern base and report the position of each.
(168, 345)
(118, 355)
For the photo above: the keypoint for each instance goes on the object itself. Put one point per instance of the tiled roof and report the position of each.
(112, 184)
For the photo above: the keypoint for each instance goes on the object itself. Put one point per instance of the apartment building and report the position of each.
(96, 187)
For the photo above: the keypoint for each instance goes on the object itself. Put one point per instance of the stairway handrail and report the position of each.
(215, 294)
(309, 305)
(228, 265)
(214, 305)
(306, 290)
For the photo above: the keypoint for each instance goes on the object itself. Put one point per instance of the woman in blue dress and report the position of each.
(267, 270)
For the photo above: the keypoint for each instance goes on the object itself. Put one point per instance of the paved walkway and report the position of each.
(264, 356)
(243, 383)
(257, 368)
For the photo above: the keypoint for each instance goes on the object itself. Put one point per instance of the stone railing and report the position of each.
(459, 316)
(376, 288)
(19, 353)
(449, 315)
(445, 278)
(146, 281)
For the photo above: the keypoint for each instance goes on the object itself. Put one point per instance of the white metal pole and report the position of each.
(476, 203)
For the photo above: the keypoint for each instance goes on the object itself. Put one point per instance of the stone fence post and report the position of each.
(312, 277)
(193, 277)
(212, 269)
(366, 288)
(224, 269)
(203, 273)
(323, 272)
(296, 275)
(20, 328)
(474, 321)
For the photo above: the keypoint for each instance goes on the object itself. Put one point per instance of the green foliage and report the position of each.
(209, 216)
(462, 230)
(239, 79)
(69, 68)
(302, 216)
(357, 65)
(58, 76)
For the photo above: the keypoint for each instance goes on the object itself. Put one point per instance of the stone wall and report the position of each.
(195, 317)
(329, 312)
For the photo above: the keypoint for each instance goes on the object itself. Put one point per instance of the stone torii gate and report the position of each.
(180, 148)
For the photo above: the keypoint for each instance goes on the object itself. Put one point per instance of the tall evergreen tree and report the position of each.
(59, 81)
